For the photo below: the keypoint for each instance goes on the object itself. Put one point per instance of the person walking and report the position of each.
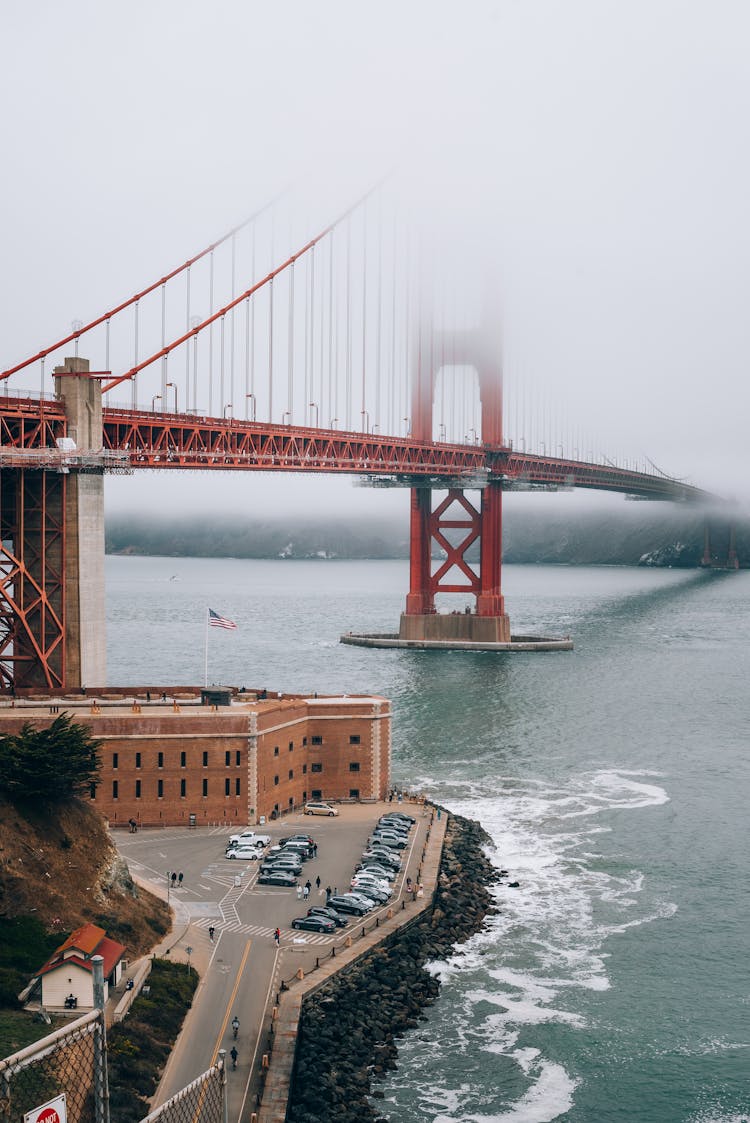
(174, 879)
(328, 893)
(211, 931)
(234, 1054)
(179, 878)
(308, 886)
(315, 850)
(277, 937)
(317, 882)
(305, 893)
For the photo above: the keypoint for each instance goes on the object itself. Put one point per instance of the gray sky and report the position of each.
(594, 153)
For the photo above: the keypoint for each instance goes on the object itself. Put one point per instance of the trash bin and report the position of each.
(237, 881)
(191, 820)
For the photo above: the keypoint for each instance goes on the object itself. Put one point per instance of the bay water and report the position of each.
(614, 781)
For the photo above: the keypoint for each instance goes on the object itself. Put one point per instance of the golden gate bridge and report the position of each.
(349, 350)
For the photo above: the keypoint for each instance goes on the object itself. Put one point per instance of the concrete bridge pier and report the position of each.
(85, 661)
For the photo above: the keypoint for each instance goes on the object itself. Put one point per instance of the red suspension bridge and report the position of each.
(350, 353)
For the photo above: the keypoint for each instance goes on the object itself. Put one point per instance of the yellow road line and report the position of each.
(232, 997)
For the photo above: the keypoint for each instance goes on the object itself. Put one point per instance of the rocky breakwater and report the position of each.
(350, 1025)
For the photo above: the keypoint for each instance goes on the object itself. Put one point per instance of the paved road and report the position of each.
(242, 966)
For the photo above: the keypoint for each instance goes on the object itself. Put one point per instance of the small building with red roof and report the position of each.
(69, 973)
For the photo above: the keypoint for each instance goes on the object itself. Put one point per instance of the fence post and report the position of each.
(224, 1103)
(101, 1085)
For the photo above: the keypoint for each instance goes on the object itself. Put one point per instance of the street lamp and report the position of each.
(156, 398)
(366, 416)
(441, 434)
(228, 406)
(543, 447)
(314, 405)
(474, 439)
(174, 387)
(285, 414)
(334, 423)
(254, 403)
(407, 424)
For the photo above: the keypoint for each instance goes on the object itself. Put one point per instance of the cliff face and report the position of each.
(628, 534)
(63, 868)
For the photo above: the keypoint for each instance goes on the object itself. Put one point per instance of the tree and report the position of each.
(49, 765)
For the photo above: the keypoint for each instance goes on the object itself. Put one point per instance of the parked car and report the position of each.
(374, 892)
(364, 897)
(400, 815)
(325, 910)
(365, 881)
(394, 841)
(297, 838)
(349, 904)
(290, 866)
(393, 825)
(277, 877)
(384, 872)
(383, 854)
(245, 853)
(300, 848)
(250, 838)
(320, 809)
(315, 923)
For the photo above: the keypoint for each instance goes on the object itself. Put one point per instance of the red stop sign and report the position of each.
(48, 1115)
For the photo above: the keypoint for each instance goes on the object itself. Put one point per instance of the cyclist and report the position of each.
(235, 1025)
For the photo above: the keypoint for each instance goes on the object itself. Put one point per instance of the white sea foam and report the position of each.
(549, 1097)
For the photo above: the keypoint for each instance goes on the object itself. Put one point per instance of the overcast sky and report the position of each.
(594, 152)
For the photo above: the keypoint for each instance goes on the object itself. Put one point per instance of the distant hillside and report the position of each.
(630, 534)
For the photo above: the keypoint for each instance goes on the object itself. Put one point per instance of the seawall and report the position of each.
(336, 1034)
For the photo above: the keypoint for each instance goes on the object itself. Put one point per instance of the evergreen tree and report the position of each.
(49, 765)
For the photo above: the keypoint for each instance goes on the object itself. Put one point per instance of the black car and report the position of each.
(277, 877)
(306, 838)
(348, 905)
(393, 825)
(315, 924)
(302, 848)
(400, 815)
(324, 910)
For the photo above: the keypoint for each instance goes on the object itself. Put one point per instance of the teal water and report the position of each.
(614, 781)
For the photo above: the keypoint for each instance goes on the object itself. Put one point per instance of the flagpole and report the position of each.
(205, 662)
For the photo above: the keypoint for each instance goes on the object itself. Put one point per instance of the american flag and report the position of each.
(217, 621)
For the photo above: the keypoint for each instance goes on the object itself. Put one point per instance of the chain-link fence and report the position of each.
(70, 1060)
(200, 1102)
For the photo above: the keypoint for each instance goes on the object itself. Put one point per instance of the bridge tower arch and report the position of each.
(455, 524)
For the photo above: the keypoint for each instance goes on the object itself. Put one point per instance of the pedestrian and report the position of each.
(408, 885)
(211, 931)
(179, 877)
(335, 891)
(440, 811)
(328, 893)
(174, 879)
(308, 885)
(390, 796)
(277, 936)
(234, 1054)
(299, 892)
(133, 825)
(317, 882)
(305, 893)
(315, 850)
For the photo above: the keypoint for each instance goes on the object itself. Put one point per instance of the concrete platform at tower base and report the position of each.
(516, 643)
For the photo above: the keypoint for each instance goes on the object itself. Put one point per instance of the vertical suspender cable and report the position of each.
(163, 344)
(392, 422)
(134, 392)
(222, 403)
(379, 310)
(404, 406)
(187, 348)
(106, 344)
(270, 350)
(312, 396)
(231, 322)
(363, 407)
(248, 394)
(348, 359)
(290, 348)
(331, 410)
(211, 336)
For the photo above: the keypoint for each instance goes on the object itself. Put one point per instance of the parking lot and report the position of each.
(225, 922)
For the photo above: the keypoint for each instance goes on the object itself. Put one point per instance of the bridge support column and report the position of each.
(419, 600)
(733, 562)
(85, 631)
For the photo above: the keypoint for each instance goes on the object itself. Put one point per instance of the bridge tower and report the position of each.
(487, 622)
(52, 619)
